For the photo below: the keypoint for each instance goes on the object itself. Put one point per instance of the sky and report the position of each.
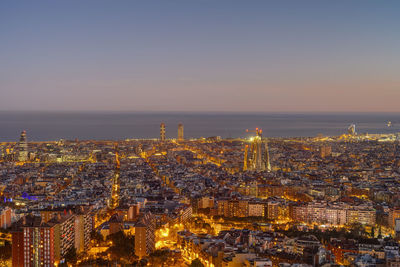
(204, 55)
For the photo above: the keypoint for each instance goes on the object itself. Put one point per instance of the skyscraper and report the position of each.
(256, 156)
(162, 132)
(180, 132)
(23, 147)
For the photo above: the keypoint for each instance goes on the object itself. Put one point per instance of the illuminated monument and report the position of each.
(180, 132)
(162, 132)
(256, 156)
(23, 147)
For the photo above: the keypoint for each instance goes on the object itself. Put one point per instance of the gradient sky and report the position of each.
(283, 56)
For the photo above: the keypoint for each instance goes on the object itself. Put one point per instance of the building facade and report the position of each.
(180, 132)
(162, 132)
(23, 147)
(145, 235)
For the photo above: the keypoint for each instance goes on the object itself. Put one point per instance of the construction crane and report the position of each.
(257, 131)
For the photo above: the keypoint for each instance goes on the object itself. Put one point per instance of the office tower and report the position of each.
(23, 147)
(180, 132)
(162, 132)
(144, 235)
(256, 156)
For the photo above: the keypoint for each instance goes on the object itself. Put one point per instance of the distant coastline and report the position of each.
(118, 125)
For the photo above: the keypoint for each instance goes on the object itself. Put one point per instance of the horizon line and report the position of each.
(200, 112)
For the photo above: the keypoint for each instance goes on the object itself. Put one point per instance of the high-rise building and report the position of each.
(162, 132)
(133, 212)
(394, 214)
(39, 243)
(64, 234)
(6, 217)
(18, 247)
(144, 235)
(256, 156)
(84, 224)
(180, 132)
(23, 147)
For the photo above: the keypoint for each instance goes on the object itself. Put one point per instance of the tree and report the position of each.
(196, 263)
(357, 230)
(71, 256)
(97, 237)
(123, 246)
(5, 253)
(142, 263)
(158, 257)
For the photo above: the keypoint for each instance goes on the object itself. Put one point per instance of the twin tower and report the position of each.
(180, 132)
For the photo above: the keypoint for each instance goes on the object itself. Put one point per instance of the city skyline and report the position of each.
(338, 56)
(200, 133)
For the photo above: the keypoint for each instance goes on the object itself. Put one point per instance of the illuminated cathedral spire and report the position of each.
(256, 156)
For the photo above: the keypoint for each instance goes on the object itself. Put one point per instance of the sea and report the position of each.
(50, 126)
